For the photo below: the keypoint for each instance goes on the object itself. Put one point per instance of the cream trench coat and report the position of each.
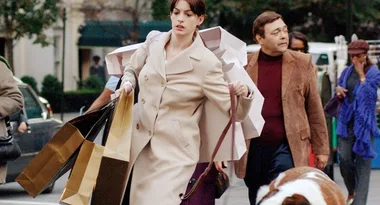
(166, 135)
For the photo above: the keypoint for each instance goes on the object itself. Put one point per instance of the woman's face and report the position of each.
(297, 45)
(184, 21)
(361, 58)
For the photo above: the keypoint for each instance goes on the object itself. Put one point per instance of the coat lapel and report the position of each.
(156, 52)
(253, 66)
(182, 62)
(287, 70)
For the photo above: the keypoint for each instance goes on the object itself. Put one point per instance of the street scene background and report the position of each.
(53, 46)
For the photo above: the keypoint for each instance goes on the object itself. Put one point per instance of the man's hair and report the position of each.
(261, 21)
(299, 36)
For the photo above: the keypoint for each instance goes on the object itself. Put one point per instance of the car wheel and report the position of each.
(49, 189)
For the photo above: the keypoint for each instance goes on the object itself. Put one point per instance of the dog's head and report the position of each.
(298, 192)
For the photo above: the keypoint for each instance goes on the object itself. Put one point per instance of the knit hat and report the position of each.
(358, 47)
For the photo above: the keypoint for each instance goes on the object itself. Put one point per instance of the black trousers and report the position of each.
(264, 165)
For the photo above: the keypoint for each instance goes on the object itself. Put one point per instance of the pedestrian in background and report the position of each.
(292, 109)
(11, 102)
(299, 42)
(357, 88)
(176, 74)
(97, 69)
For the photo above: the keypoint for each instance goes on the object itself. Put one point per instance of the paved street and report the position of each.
(237, 194)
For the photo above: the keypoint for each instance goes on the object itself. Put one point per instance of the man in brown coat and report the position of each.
(292, 109)
(11, 101)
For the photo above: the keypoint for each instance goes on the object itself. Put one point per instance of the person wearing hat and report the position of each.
(357, 89)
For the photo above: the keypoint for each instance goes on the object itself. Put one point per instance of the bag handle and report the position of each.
(218, 144)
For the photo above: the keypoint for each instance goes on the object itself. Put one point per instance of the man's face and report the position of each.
(276, 38)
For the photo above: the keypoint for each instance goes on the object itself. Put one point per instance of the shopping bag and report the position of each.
(112, 177)
(83, 177)
(59, 154)
(254, 124)
(231, 51)
(117, 59)
(210, 138)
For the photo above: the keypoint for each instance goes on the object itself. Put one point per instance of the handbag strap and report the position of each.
(218, 144)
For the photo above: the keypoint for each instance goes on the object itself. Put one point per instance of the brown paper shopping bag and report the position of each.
(82, 180)
(58, 155)
(112, 178)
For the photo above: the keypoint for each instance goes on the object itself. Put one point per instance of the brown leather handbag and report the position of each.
(221, 185)
(222, 182)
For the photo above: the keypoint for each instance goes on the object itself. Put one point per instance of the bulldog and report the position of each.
(301, 186)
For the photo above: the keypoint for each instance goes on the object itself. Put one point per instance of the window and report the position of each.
(32, 107)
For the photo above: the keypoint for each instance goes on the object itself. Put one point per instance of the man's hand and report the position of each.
(321, 161)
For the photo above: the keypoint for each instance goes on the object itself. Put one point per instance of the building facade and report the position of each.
(37, 61)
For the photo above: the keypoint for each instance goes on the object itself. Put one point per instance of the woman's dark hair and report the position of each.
(368, 63)
(299, 36)
(198, 7)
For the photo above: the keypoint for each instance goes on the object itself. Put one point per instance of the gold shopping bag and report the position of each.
(82, 180)
(58, 155)
(112, 178)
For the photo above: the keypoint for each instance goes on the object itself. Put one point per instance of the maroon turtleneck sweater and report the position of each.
(269, 83)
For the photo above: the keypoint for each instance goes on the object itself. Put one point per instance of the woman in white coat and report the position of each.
(176, 73)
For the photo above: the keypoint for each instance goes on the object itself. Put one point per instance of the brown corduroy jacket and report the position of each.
(303, 112)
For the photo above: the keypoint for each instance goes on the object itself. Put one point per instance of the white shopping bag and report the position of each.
(218, 38)
(232, 52)
(117, 59)
(211, 127)
(254, 124)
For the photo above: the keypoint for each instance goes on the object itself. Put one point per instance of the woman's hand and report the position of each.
(240, 89)
(340, 92)
(220, 167)
(359, 67)
(127, 86)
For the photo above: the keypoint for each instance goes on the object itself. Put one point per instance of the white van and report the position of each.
(324, 55)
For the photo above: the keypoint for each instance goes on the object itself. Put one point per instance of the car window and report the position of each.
(32, 107)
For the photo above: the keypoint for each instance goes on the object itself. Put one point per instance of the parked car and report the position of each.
(42, 127)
